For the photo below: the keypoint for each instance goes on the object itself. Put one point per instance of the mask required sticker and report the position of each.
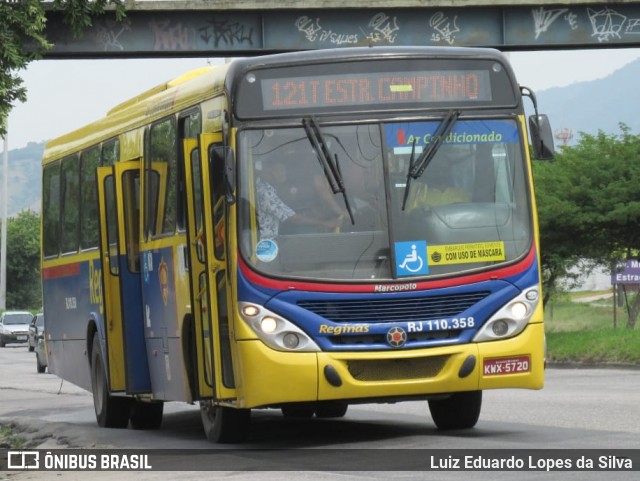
(466, 253)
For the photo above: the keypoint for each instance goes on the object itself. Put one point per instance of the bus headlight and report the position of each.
(291, 340)
(518, 310)
(276, 331)
(511, 319)
(268, 325)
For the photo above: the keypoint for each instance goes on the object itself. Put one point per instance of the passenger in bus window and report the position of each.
(446, 180)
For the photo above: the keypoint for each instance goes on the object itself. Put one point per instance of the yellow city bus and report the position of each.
(301, 232)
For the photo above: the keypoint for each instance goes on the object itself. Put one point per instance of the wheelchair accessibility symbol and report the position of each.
(411, 258)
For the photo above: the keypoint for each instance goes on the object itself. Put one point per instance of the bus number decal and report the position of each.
(95, 285)
(70, 303)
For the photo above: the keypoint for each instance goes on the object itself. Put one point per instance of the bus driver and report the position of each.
(272, 210)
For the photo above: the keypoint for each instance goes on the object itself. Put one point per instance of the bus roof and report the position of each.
(157, 102)
(354, 53)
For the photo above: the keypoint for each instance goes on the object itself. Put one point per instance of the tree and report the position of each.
(23, 39)
(23, 261)
(589, 206)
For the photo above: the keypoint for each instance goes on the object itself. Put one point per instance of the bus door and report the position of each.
(206, 226)
(118, 194)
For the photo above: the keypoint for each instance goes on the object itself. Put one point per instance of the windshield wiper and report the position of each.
(330, 166)
(417, 168)
(409, 170)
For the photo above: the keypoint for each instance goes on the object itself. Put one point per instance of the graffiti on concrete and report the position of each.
(170, 36)
(381, 28)
(107, 34)
(224, 32)
(445, 27)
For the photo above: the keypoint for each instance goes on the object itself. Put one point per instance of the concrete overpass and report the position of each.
(222, 28)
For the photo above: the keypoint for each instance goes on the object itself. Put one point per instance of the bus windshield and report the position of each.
(348, 202)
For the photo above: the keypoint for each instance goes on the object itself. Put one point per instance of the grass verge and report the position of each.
(584, 332)
(614, 346)
(10, 440)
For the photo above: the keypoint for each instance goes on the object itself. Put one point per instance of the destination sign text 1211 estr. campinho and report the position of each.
(376, 88)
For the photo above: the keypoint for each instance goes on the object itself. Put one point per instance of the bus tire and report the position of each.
(461, 410)
(39, 366)
(298, 410)
(224, 424)
(331, 409)
(111, 411)
(146, 414)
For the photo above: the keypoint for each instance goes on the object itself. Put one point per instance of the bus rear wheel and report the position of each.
(224, 424)
(111, 411)
(461, 410)
(146, 414)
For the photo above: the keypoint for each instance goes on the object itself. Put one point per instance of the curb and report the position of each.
(592, 365)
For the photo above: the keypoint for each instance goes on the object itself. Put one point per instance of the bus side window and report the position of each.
(162, 150)
(89, 162)
(190, 128)
(110, 152)
(131, 193)
(217, 157)
(51, 210)
(70, 219)
(112, 224)
(197, 198)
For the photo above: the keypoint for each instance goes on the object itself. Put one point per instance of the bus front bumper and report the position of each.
(272, 377)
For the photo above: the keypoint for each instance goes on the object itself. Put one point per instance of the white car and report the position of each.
(14, 327)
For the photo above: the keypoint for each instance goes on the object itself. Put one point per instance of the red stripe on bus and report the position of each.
(65, 270)
(285, 285)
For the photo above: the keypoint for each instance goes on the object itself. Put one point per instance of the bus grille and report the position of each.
(381, 339)
(396, 369)
(394, 310)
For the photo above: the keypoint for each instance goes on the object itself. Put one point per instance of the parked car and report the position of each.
(36, 326)
(14, 327)
(42, 360)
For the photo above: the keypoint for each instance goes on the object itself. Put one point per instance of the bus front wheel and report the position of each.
(111, 411)
(461, 410)
(224, 424)
(331, 409)
(298, 410)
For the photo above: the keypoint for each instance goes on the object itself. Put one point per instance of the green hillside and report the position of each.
(24, 180)
(594, 105)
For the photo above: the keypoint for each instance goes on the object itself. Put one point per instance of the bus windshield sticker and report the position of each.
(466, 253)
(411, 258)
(402, 136)
(266, 250)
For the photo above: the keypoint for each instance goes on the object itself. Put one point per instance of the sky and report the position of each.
(63, 95)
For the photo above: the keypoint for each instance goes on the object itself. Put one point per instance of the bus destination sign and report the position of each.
(376, 89)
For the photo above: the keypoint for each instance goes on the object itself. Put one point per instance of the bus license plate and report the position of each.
(506, 365)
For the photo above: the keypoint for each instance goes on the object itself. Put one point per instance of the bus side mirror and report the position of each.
(223, 164)
(541, 137)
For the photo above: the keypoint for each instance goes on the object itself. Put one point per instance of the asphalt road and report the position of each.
(595, 409)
